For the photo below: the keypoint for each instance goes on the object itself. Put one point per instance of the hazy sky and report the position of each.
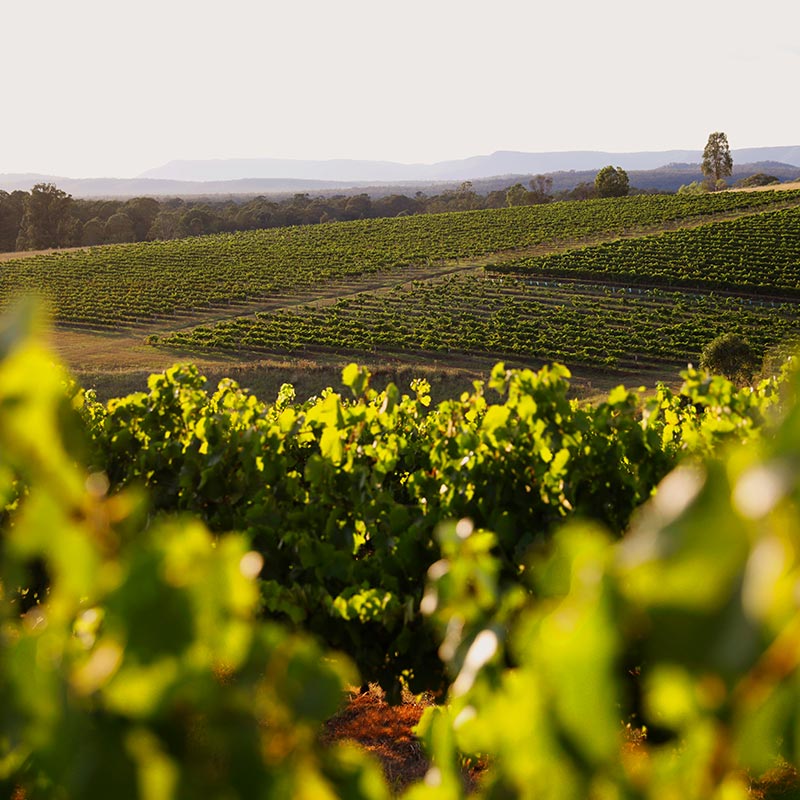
(110, 88)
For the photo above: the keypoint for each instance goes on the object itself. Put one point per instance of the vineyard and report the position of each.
(758, 254)
(511, 318)
(652, 300)
(119, 286)
(603, 596)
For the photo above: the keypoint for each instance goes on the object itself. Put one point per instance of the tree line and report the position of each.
(47, 217)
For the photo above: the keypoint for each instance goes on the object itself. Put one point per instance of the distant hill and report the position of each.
(151, 187)
(668, 177)
(499, 163)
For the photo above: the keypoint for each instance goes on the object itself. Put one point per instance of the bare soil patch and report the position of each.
(15, 254)
(387, 732)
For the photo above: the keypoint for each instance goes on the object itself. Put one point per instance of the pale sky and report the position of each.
(95, 88)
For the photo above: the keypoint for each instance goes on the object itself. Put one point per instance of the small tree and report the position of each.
(730, 355)
(695, 187)
(717, 162)
(612, 182)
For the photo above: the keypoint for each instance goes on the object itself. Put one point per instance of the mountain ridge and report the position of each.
(501, 162)
(668, 177)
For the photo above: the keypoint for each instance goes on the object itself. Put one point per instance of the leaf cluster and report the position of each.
(696, 604)
(341, 495)
(142, 671)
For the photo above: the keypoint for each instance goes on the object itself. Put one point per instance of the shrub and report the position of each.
(730, 355)
(758, 179)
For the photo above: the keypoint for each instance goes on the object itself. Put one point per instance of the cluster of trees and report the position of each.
(47, 217)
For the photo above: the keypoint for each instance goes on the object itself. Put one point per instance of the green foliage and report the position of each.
(613, 314)
(525, 315)
(93, 232)
(46, 221)
(341, 496)
(597, 305)
(541, 188)
(118, 228)
(694, 188)
(700, 591)
(730, 355)
(517, 195)
(540, 192)
(759, 253)
(757, 179)
(134, 283)
(11, 212)
(611, 182)
(142, 670)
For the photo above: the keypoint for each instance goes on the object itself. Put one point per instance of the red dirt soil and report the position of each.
(385, 731)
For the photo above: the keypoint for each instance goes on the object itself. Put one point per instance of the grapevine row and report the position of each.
(513, 318)
(759, 254)
(122, 285)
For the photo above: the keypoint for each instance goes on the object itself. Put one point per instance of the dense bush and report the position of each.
(758, 179)
(732, 356)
